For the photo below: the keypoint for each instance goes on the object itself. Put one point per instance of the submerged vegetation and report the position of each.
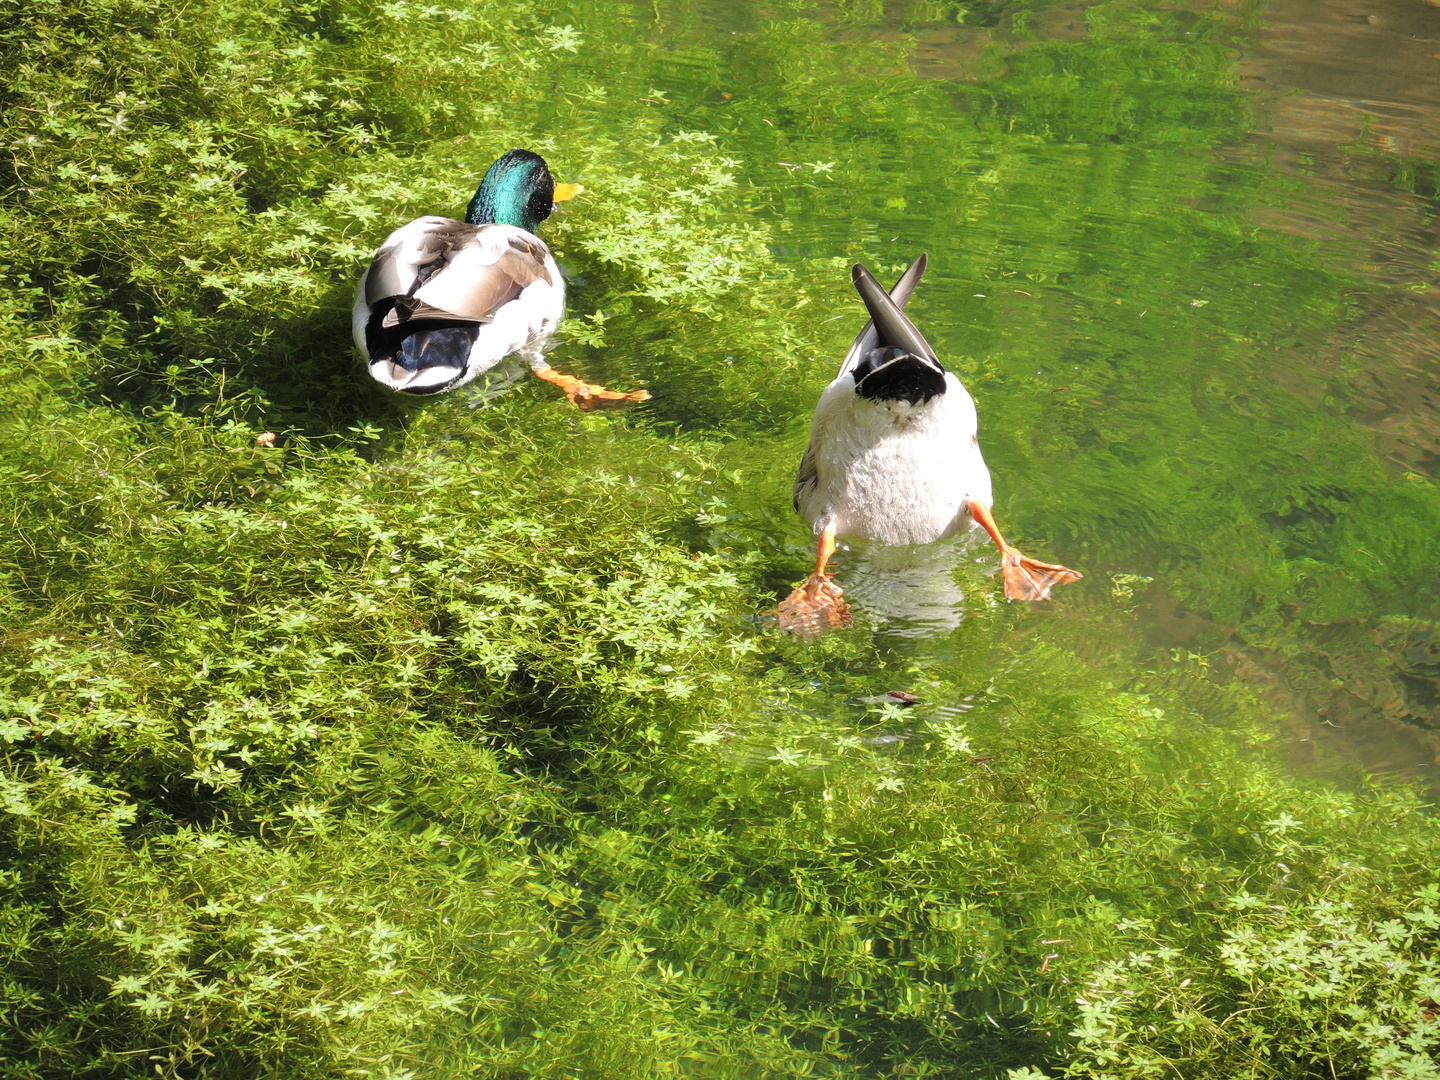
(443, 740)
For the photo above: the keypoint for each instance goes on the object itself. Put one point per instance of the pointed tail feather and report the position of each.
(869, 338)
(891, 325)
(908, 280)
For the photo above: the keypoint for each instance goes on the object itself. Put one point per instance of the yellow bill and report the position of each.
(566, 192)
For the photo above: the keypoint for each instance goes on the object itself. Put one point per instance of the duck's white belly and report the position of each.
(896, 492)
(895, 472)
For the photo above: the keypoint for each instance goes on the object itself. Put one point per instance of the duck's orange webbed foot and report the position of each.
(1025, 578)
(589, 395)
(818, 606)
(815, 608)
(1030, 579)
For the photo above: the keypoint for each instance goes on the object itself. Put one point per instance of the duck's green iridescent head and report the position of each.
(517, 190)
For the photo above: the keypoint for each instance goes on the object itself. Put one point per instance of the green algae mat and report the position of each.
(452, 738)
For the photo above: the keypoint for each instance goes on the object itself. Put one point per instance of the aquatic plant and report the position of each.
(343, 738)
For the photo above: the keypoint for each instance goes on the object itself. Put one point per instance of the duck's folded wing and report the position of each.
(453, 271)
(486, 273)
(807, 477)
(869, 337)
(412, 253)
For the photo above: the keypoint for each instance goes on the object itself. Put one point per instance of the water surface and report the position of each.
(1188, 277)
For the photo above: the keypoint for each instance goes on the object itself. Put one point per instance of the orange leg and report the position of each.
(818, 605)
(587, 395)
(1025, 578)
(824, 550)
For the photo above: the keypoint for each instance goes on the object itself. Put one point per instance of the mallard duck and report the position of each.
(444, 301)
(894, 457)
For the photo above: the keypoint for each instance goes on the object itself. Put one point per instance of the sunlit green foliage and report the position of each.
(442, 741)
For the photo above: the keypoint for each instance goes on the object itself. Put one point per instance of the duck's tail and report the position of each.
(892, 326)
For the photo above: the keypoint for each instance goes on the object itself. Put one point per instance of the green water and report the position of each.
(1202, 347)
(453, 738)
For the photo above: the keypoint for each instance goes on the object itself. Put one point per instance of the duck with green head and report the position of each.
(445, 301)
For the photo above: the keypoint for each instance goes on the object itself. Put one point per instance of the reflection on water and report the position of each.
(1347, 100)
(1340, 72)
(499, 380)
(908, 591)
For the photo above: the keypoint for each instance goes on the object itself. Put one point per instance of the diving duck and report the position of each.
(894, 457)
(445, 301)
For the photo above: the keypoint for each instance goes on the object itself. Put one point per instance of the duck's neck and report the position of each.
(517, 190)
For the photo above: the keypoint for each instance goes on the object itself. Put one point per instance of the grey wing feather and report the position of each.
(402, 267)
(407, 309)
(869, 337)
(807, 477)
(530, 254)
(383, 277)
(454, 271)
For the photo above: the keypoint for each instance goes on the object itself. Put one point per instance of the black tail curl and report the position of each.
(421, 343)
(892, 374)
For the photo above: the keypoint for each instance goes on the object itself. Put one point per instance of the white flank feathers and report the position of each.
(892, 471)
(479, 261)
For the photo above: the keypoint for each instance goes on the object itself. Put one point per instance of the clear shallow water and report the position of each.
(1189, 280)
